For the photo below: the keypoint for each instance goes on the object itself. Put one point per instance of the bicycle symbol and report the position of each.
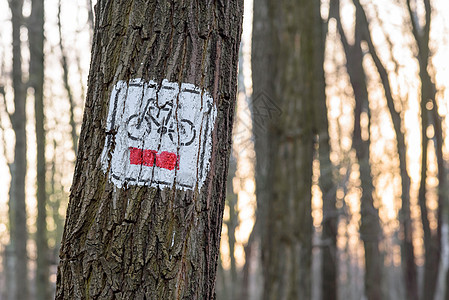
(160, 119)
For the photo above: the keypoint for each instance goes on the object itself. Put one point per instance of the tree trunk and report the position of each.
(329, 272)
(263, 87)
(9, 257)
(446, 296)
(429, 254)
(287, 245)
(232, 225)
(432, 241)
(90, 18)
(36, 41)
(144, 217)
(245, 287)
(407, 250)
(19, 234)
(9, 268)
(55, 203)
(370, 229)
(222, 282)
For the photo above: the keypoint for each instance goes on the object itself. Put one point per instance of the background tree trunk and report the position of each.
(288, 228)
(329, 266)
(407, 250)
(9, 255)
(432, 240)
(262, 57)
(36, 41)
(67, 87)
(141, 242)
(370, 229)
(232, 223)
(19, 233)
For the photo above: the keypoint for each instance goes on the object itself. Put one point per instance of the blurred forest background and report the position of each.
(363, 201)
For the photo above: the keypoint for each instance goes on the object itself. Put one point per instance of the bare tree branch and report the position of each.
(414, 20)
(3, 93)
(334, 11)
(407, 247)
(67, 87)
(3, 140)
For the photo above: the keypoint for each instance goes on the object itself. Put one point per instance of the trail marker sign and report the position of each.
(158, 135)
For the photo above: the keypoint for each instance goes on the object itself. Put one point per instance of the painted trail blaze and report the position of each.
(177, 120)
(149, 158)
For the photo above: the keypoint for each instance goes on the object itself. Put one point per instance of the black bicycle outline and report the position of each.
(166, 126)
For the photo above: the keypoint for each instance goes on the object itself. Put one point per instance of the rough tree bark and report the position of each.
(148, 242)
(19, 234)
(287, 245)
(36, 81)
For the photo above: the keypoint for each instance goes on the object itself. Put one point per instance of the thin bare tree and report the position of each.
(67, 87)
(408, 253)
(370, 229)
(432, 240)
(18, 228)
(36, 81)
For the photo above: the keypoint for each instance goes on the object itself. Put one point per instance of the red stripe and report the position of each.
(147, 157)
(166, 160)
